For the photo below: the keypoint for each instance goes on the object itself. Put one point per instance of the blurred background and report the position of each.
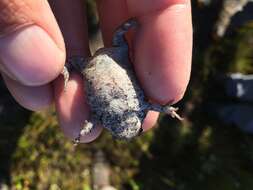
(211, 149)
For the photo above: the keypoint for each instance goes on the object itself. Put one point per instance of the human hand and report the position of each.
(33, 52)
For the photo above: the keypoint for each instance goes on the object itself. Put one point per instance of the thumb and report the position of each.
(31, 45)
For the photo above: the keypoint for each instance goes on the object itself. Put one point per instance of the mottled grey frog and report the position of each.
(114, 95)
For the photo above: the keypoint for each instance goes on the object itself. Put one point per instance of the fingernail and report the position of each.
(31, 56)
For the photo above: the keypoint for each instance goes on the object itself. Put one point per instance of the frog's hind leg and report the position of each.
(168, 109)
(86, 129)
(119, 35)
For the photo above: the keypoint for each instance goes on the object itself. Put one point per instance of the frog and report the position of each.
(114, 94)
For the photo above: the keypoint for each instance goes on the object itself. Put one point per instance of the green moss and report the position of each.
(44, 158)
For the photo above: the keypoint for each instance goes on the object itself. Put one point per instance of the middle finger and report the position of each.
(72, 109)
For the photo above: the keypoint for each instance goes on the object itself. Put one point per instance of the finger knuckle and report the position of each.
(13, 15)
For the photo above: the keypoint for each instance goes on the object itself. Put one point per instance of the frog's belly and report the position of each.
(115, 99)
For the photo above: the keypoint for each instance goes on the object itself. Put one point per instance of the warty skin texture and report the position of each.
(116, 99)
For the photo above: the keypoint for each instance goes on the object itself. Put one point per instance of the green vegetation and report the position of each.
(45, 159)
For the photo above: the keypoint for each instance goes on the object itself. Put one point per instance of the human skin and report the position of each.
(33, 52)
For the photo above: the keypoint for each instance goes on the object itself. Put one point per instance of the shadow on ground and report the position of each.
(203, 152)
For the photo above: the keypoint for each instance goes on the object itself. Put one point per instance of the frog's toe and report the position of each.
(168, 109)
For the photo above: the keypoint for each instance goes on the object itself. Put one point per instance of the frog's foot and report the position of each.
(86, 129)
(168, 109)
(76, 63)
(65, 74)
(119, 35)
